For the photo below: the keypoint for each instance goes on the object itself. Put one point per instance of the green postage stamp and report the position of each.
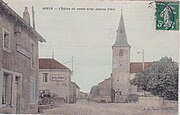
(167, 15)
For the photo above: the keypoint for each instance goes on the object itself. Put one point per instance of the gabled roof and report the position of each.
(75, 85)
(107, 79)
(50, 63)
(6, 9)
(136, 67)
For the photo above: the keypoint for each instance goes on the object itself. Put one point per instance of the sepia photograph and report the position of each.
(89, 57)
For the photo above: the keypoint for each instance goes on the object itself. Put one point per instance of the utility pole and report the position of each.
(53, 55)
(72, 63)
(33, 20)
(142, 64)
(143, 59)
(143, 67)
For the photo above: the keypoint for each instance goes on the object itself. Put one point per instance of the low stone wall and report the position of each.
(150, 101)
(170, 104)
(157, 102)
(103, 99)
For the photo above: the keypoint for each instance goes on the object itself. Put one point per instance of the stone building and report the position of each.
(18, 62)
(56, 78)
(122, 69)
(120, 64)
(74, 92)
(117, 87)
(104, 89)
(82, 95)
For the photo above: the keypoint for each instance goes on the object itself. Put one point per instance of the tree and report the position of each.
(94, 91)
(161, 79)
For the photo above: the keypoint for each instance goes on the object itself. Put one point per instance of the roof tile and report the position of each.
(50, 64)
(136, 67)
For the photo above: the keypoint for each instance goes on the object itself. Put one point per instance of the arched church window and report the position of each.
(120, 52)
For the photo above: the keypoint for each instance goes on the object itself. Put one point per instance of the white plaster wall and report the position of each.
(59, 88)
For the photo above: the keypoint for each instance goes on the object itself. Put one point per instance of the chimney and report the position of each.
(26, 15)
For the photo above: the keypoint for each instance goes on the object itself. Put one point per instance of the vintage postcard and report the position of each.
(89, 57)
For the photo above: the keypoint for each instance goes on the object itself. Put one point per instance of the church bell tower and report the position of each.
(120, 63)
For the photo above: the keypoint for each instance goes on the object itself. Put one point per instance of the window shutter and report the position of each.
(33, 90)
(1, 85)
(1, 40)
(1, 33)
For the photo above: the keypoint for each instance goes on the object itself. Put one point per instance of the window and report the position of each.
(4, 89)
(33, 90)
(6, 41)
(17, 79)
(121, 30)
(45, 77)
(33, 58)
(120, 52)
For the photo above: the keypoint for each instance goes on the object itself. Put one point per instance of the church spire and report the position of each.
(121, 39)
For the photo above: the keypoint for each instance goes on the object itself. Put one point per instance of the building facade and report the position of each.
(74, 92)
(18, 62)
(104, 87)
(56, 78)
(103, 91)
(120, 64)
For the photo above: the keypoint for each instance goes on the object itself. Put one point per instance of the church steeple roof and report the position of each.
(121, 39)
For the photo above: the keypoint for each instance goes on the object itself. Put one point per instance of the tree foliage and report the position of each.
(161, 79)
(94, 90)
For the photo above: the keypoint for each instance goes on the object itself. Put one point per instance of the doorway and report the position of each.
(17, 94)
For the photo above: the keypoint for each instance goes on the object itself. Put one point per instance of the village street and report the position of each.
(82, 107)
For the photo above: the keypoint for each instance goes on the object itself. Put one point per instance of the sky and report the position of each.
(88, 36)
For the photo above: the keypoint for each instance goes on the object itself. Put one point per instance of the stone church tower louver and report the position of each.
(121, 62)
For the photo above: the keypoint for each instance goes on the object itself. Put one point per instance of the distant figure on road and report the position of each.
(88, 99)
(118, 96)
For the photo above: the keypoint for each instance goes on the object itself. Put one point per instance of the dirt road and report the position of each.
(82, 107)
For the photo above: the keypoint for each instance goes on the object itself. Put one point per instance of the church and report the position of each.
(117, 87)
(120, 64)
